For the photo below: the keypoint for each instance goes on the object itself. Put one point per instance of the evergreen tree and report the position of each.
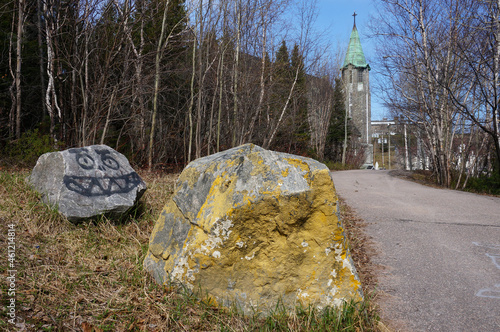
(32, 109)
(336, 130)
(5, 78)
(282, 60)
(280, 90)
(299, 121)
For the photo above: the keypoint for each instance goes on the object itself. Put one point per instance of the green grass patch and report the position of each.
(26, 150)
(485, 184)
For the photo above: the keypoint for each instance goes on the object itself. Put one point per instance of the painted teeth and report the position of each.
(93, 186)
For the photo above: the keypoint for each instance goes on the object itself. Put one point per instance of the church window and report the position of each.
(360, 75)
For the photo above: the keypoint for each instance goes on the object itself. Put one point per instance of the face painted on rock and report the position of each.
(98, 172)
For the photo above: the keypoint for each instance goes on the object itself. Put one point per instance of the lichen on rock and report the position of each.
(251, 227)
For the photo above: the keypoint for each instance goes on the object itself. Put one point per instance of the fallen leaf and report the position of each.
(86, 327)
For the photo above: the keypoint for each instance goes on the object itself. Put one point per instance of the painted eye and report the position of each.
(110, 162)
(85, 161)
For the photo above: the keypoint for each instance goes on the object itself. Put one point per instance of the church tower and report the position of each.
(356, 79)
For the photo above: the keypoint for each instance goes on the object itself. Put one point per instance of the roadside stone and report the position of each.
(87, 182)
(250, 227)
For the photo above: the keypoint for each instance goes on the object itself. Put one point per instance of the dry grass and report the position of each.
(89, 277)
(361, 247)
(424, 177)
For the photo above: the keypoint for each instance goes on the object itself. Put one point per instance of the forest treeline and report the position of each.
(167, 81)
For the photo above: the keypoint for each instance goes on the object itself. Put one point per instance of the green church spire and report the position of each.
(355, 55)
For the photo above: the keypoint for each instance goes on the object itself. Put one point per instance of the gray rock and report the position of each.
(86, 182)
(252, 227)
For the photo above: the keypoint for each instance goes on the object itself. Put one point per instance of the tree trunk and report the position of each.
(50, 94)
(20, 28)
(108, 116)
(84, 83)
(256, 115)
(157, 85)
(221, 82)
(235, 70)
(40, 50)
(496, 69)
(191, 100)
(199, 106)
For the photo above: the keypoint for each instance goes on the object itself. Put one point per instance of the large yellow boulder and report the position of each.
(251, 227)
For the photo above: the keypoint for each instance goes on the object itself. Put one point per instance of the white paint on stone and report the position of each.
(250, 257)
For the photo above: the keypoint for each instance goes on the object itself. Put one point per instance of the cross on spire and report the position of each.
(354, 15)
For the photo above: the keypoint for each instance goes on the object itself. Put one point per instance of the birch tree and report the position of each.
(479, 51)
(158, 57)
(52, 20)
(419, 40)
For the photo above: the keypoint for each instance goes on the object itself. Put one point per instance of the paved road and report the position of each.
(440, 251)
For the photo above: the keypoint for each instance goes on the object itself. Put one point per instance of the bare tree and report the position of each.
(159, 49)
(320, 91)
(306, 43)
(419, 41)
(113, 76)
(479, 51)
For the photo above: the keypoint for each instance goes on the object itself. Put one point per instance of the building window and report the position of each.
(360, 75)
(350, 76)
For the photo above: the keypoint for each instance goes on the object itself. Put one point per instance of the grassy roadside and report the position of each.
(89, 277)
(422, 177)
(482, 185)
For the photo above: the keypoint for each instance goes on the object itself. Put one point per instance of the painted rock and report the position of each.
(86, 182)
(250, 227)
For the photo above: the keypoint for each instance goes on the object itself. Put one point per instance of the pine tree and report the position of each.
(281, 79)
(282, 60)
(336, 130)
(299, 120)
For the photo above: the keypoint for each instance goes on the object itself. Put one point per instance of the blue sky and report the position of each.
(335, 16)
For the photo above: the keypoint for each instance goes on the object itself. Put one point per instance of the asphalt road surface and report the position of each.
(439, 252)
